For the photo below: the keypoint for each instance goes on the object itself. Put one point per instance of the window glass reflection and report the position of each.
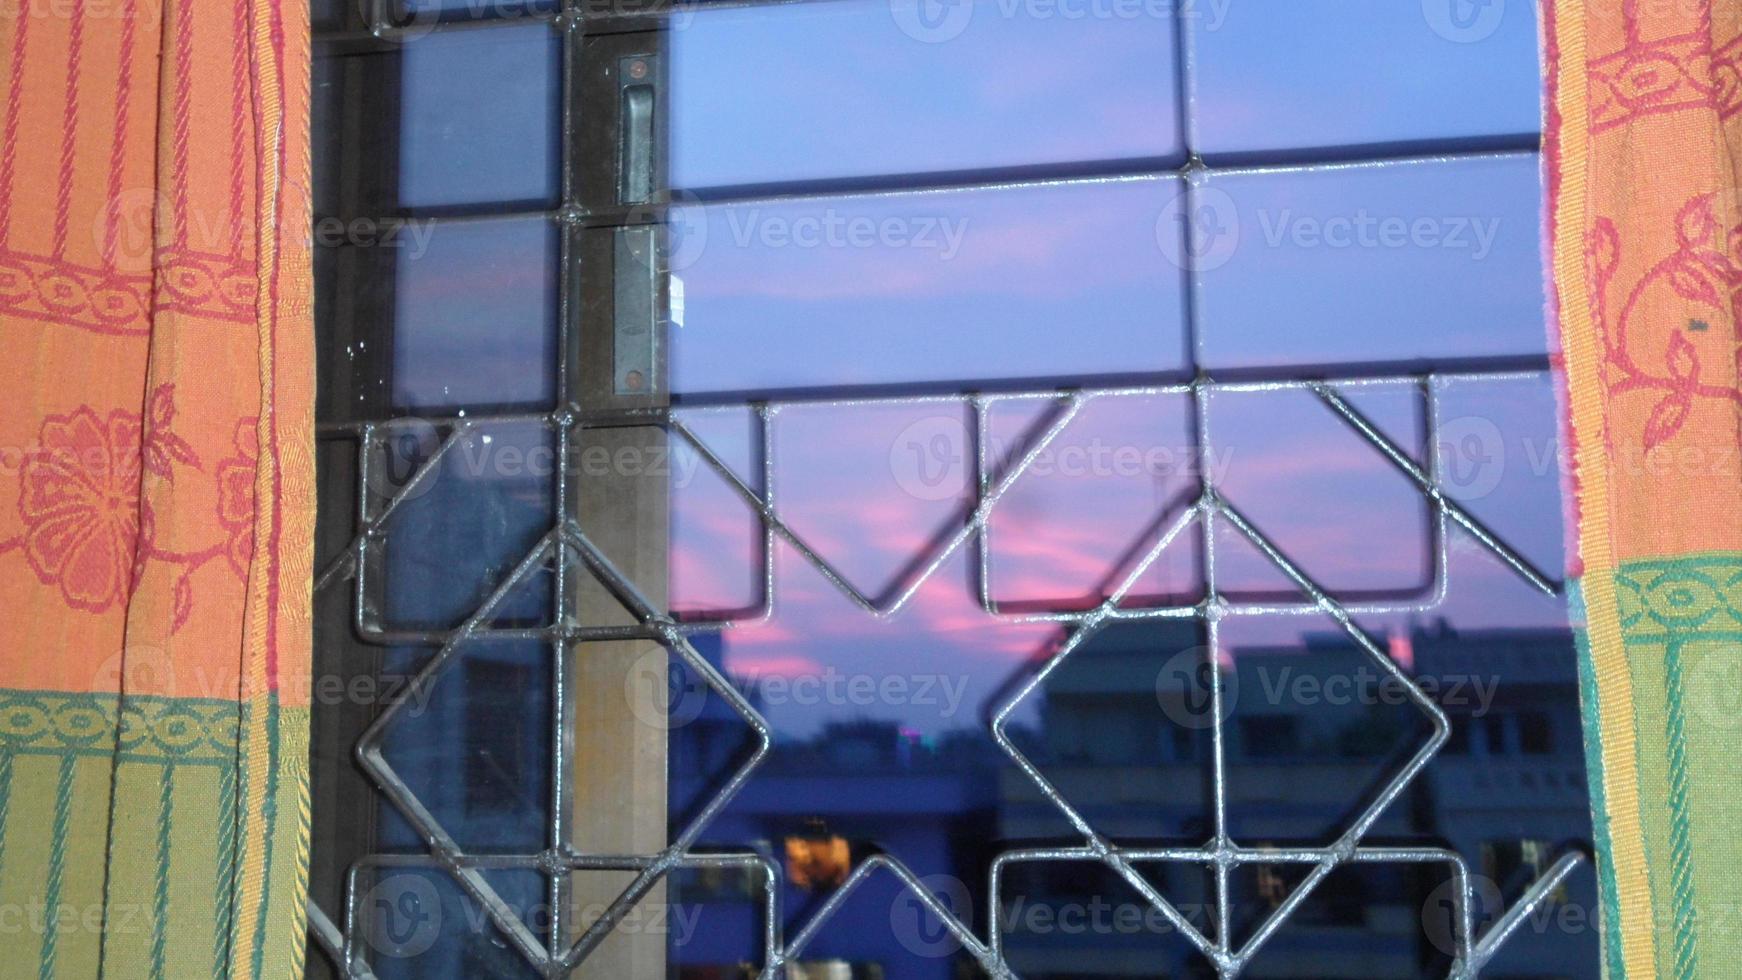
(1082, 518)
(419, 13)
(461, 530)
(474, 316)
(1055, 281)
(1350, 520)
(870, 89)
(1437, 73)
(478, 117)
(1410, 262)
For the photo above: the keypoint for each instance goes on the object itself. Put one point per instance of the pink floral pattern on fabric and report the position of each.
(89, 528)
(236, 496)
(1641, 355)
(79, 500)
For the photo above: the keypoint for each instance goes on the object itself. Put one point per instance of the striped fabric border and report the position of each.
(145, 886)
(1643, 133)
(1621, 862)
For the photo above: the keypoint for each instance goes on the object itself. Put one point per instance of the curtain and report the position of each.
(1645, 218)
(156, 475)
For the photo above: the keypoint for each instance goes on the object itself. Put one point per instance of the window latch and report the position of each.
(638, 260)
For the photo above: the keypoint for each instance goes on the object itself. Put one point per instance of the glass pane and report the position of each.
(478, 117)
(717, 550)
(1084, 515)
(473, 746)
(862, 89)
(419, 922)
(419, 13)
(474, 315)
(1501, 456)
(1307, 76)
(1055, 281)
(464, 528)
(1406, 262)
(1322, 493)
(880, 737)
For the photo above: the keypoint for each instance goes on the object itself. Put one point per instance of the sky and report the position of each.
(1116, 272)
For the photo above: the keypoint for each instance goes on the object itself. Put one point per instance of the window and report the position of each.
(1495, 727)
(1535, 733)
(1269, 736)
(920, 462)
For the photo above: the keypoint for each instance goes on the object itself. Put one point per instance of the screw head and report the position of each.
(634, 380)
(638, 69)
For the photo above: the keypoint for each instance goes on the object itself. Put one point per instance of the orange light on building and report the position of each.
(1402, 649)
(818, 862)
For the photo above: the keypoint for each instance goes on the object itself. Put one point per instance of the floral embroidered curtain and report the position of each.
(1645, 133)
(156, 486)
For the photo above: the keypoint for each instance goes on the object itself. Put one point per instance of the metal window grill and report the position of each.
(568, 552)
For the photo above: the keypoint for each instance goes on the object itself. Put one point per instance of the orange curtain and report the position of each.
(1644, 163)
(156, 486)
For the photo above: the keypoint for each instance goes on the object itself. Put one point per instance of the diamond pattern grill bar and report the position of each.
(1222, 854)
(567, 551)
